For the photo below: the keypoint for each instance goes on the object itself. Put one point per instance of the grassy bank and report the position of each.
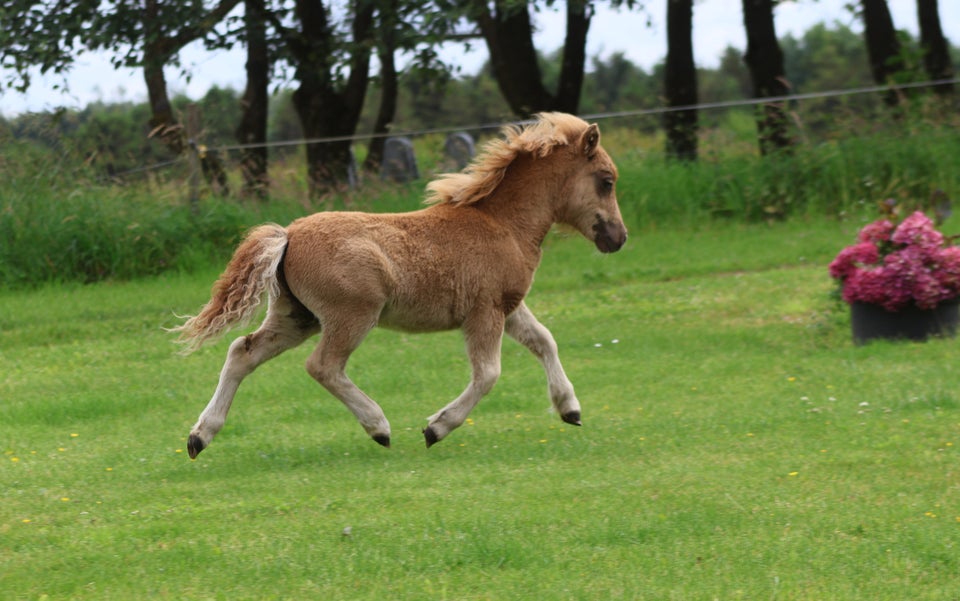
(735, 446)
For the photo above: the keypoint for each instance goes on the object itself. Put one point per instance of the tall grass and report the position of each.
(833, 177)
(59, 223)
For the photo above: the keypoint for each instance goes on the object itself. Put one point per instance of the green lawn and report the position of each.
(735, 445)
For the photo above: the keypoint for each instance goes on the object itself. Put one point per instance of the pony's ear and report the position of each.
(590, 140)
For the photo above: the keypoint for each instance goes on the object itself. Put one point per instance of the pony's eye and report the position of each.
(604, 183)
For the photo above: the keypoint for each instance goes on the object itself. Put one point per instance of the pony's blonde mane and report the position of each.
(485, 173)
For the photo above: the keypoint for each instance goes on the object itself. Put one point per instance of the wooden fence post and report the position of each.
(193, 154)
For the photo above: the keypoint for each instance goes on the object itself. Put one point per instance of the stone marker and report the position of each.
(399, 162)
(460, 148)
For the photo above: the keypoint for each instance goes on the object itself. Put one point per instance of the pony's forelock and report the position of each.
(538, 138)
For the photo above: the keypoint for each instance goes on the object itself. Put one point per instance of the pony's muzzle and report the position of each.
(609, 236)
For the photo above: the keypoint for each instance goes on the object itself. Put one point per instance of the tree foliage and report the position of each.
(112, 137)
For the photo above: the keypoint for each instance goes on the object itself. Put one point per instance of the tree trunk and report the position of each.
(509, 36)
(324, 110)
(158, 48)
(163, 125)
(254, 104)
(567, 98)
(764, 59)
(883, 46)
(388, 89)
(936, 50)
(680, 82)
(328, 163)
(508, 33)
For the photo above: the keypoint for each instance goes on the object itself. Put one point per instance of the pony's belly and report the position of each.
(419, 319)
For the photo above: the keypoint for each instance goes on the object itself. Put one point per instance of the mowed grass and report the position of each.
(735, 445)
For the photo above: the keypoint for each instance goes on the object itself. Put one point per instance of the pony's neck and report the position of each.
(526, 200)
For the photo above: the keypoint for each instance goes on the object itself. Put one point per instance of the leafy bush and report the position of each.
(830, 177)
(59, 225)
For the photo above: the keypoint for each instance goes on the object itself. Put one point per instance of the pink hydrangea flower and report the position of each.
(896, 266)
(917, 229)
(947, 269)
(877, 232)
(864, 253)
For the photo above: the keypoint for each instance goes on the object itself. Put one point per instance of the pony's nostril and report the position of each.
(609, 236)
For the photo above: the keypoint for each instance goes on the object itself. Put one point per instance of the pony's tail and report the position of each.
(239, 290)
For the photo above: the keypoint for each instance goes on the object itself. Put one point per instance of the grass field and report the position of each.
(735, 445)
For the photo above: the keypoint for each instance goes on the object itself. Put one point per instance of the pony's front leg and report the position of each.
(522, 326)
(483, 348)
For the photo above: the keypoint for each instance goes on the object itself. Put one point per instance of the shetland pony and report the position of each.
(465, 261)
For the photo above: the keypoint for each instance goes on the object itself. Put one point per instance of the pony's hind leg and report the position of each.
(327, 365)
(522, 326)
(286, 325)
(484, 338)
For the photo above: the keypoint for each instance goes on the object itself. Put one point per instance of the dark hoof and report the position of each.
(430, 436)
(572, 418)
(382, 439)
(194, 446)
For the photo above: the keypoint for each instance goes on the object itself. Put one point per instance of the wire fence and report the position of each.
(416, 133)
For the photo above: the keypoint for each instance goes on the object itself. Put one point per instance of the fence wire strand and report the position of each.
(723, 104)
(600, 116)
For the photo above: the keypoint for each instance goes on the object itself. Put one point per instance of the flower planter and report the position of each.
(894, 268)
(870, 322)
